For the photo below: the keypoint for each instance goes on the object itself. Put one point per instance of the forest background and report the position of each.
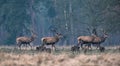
(71, 18)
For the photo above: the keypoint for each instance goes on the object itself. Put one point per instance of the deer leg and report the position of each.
(98, 45)
(78, 43)
(53, 47)
(86, 48)
(26, 46)
(43, 44)
(30, 45)
(81, 45)
(20, 46)
(17, 46)
(89, 46)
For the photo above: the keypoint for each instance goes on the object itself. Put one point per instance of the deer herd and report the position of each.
(84, 42)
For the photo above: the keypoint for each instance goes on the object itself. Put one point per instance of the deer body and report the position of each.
(85, 40)
(50, 40)
(91, 40)
(25, 40)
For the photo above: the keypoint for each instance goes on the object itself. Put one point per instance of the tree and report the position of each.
(14, 19)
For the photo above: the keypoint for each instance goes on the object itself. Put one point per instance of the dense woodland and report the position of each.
(71, 18)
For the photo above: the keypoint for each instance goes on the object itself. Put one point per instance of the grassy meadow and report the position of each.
(10, 56)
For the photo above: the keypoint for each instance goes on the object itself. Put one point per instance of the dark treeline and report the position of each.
(72, 18)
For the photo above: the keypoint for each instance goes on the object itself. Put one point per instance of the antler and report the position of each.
(104, 32)
(33, 33)
(94, 31)
(89, 30)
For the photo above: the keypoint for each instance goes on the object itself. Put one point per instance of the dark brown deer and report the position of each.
(101, 49)
(25, 40)
(43, 49)
(93, 39)
(75, 48)
(51, 40)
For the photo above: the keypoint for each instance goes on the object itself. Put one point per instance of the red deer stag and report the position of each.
(25, 40)
(91, 40)
(51, 40)
(85, 40)
(99, 40)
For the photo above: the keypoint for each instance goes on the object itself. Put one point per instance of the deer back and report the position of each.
(86, 38)
(49, 39)
(23, 39)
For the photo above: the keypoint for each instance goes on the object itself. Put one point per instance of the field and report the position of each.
(61, 57)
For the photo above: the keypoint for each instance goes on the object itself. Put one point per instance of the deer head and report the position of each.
(105, 35)
(59, 35)
(34, 35)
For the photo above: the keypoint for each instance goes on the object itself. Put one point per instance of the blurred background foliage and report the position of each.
(69, 17)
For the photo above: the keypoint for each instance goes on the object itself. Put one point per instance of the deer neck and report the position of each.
(32, 38)
(57, 38)
(103, 38)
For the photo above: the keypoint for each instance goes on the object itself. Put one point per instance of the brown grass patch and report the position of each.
(45, 59)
